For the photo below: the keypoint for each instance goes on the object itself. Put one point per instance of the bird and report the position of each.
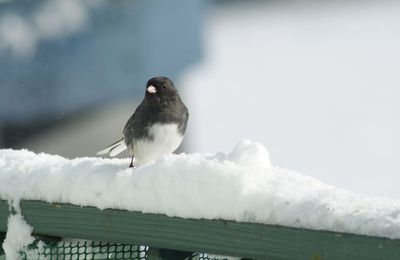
(157, 126)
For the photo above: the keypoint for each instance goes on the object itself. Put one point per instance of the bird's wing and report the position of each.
(121, 144)
(132, 123)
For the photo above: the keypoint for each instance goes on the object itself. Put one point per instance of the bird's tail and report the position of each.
(114, 149)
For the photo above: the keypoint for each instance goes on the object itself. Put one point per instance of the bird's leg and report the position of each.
(131, 164)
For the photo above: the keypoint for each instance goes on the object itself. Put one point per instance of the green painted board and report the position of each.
(250, 240)
(3, 214)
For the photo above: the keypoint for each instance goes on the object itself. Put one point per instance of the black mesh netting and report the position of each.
(81, 250)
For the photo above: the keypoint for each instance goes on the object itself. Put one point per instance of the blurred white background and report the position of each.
(316, 82)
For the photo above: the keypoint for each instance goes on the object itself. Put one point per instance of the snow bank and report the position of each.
(241, 185)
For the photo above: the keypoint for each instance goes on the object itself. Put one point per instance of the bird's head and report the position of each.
(160, 89)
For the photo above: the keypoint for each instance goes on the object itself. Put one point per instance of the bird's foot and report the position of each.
(132, 166)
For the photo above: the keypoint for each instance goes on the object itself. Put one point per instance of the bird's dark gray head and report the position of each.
(161, 87)
(161, 91)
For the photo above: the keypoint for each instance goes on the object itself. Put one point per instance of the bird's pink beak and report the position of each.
(151, 89)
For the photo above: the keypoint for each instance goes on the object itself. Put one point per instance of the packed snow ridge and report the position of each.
(241, 185)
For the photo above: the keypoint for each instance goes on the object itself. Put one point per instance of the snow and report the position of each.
(241, 185)
(18, 236)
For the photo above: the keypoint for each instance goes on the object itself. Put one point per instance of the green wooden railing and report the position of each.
(247, 240)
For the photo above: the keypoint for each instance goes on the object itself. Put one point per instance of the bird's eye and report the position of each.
(164, 87)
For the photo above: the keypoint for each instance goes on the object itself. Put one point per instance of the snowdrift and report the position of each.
(242, 186)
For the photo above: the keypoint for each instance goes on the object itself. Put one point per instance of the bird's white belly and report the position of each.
(166, 139)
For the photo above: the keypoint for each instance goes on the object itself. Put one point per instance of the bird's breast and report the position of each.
(162, 139)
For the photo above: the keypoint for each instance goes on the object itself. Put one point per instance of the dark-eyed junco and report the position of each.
(157, 126)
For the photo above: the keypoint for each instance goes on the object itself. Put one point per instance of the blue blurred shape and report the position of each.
(58, 57)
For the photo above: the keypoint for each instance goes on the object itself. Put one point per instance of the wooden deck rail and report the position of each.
(250, 240)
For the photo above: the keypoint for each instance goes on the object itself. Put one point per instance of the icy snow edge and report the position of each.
(241, 185)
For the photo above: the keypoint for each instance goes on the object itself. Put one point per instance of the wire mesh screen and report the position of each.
(82, 250)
